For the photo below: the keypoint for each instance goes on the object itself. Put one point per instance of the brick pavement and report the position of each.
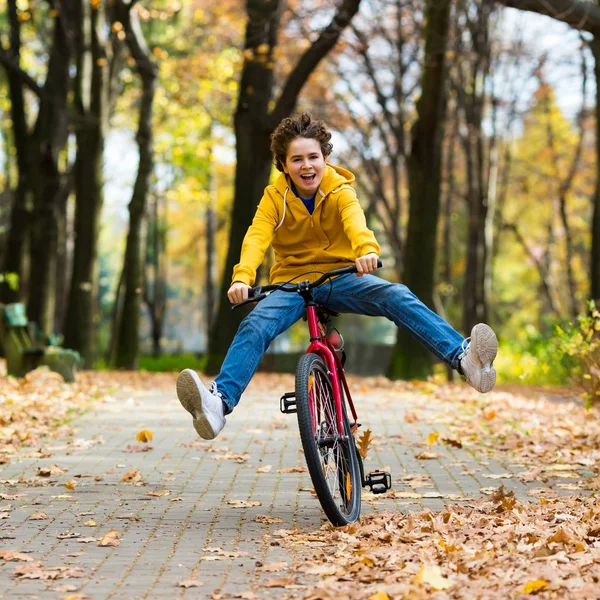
(193, 532)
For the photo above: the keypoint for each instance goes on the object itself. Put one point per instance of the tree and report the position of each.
(128, 321)
(411, 359)
(98, 58)
(582, 15)
(256, 116)
(43, 145)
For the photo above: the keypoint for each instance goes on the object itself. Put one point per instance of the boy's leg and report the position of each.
(270, 317)
(208, 406)
(370, 295)
(373, 296)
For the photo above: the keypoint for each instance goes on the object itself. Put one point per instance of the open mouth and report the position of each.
(308, 178)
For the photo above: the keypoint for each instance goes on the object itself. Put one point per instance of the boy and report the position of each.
(312, 217)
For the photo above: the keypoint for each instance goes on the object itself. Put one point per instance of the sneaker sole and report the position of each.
(488, 380)
(484, 339)
(188, 393)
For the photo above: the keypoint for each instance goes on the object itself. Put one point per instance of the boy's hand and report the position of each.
(238, 292)
(366, 264)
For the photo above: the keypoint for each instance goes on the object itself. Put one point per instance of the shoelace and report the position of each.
(465, 345)
(214, 391)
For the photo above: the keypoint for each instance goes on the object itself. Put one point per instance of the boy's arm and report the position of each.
(256, 241)
(354, 223)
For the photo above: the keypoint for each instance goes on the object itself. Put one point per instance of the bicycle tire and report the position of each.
(328, 465)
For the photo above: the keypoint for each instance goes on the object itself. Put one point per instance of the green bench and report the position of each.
(24, 354)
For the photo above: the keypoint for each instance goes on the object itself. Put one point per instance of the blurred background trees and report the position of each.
(134, 150)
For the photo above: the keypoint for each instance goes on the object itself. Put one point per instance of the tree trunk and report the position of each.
(253, 125)
(127, 345)
(155, 287)
(210, 260)
(410, 359)
(49, 139)
(20, 214)
(595, 252)
(91, 108)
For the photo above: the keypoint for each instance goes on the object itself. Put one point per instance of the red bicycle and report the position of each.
(321, 400)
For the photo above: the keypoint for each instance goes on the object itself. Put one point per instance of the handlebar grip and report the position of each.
(379, 263)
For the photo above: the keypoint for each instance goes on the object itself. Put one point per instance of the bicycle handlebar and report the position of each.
(260, 292)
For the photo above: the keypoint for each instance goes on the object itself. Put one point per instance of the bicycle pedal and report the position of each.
(379, 481)
(287, 403)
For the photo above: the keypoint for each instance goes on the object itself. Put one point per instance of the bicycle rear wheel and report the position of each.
(331, 459)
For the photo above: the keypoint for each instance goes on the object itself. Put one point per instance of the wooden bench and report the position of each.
(23, 354)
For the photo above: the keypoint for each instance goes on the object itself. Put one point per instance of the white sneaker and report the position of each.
(479, 354)
(205, 406)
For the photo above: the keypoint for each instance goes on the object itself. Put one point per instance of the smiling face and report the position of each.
(305, 165)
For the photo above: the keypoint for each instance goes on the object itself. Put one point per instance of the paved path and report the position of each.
(210, 526)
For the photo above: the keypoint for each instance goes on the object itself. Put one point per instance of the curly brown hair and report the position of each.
(299, 126)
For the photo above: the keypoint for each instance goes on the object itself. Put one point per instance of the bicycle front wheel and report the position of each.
(331, 459)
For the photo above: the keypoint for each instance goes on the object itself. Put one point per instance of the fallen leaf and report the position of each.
(188, 583)
(110, 539)
(533, 586)
(50, 470)
(90, 523)
(267, 519)
(131, 476)
(453, 443)
(379, 596)
(70, 485)
(144, 436)
(137, 448)
(298, 469)
(432, 438)
(14, 555)
(410, 417)
(427, 455)
(275, 566)
(159, 493)
(38, 516)
(281, 582)
(432, 575)
(363, 443)
(244, 503)
(264, 469)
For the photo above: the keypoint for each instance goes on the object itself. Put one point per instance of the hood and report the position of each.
(333, 178)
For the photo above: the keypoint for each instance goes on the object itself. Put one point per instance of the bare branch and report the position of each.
(13, 67)
(311, 58)
(580, 14)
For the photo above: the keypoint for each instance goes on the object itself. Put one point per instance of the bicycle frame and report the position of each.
(334, 364)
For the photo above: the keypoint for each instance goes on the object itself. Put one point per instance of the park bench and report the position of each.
(23, 353)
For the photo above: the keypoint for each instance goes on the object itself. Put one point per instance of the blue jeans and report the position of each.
(366, 295)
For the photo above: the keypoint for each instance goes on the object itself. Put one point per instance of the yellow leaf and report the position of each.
(110, 539)
(144, 436)
(364, 441)
(348, 486)
(70, 485)
(534, 585)
(432, 575)
(432, 438)
(90, 523)
(379, 596)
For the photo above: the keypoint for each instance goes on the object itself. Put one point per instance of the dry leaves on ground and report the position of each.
(498, 544)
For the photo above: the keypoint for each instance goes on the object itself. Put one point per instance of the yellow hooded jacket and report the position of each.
(334, 236)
